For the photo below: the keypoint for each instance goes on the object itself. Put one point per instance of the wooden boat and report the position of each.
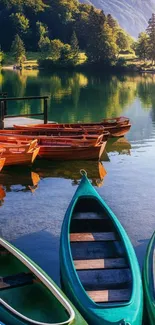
(18, 155)
(80, 140)
(2, 162)
(99, 268)
(28, 295)
(149, 280)
(67, 149)
(116, 126)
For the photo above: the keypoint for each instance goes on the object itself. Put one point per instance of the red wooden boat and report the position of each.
(18, 154)
(2, 162)
(19, 136)
(62, 148)
(116, 126)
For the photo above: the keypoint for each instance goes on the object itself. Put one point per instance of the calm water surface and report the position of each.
(33, 202)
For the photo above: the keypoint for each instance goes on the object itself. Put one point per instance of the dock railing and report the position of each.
(3, 107)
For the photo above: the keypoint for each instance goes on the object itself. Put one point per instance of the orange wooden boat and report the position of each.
(70, 152)
(116, 126)
(2, 162)
(18, 154)
(14, 136)
(62, 148)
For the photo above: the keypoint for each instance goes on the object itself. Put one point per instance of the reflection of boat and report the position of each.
(149, 280)
(121, 145)
(28, 294)
(70, 170)
(2, 195)
(2, 162)
(24, 178)
(99, 268)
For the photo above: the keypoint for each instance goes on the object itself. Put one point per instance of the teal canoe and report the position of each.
(149, 280)
(99, 268)
(28, 295)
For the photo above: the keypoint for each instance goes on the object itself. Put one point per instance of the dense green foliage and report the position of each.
(145, 46)
(60, 30)
(132, 15)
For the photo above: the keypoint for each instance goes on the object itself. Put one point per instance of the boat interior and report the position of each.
(98, 253)
(26, 294)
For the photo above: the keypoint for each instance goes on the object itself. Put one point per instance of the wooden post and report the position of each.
(45, 111)
(2, 115)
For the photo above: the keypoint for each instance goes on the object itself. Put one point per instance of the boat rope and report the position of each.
(83, 172)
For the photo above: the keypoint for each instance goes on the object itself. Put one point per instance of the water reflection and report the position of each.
(18, 179)
(120, 145)
(71, 170)
(76, 96)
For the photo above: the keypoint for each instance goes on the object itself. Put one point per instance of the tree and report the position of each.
(18, 49)
(151, 33)
(44, 45)
(74, 48)
(122, 40)
(20, 22)
(56, 48)
(142, 46)
(111, 22)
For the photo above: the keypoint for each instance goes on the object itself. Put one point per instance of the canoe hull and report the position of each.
(72, 153)
(110, 314)
(10, 318)
(17, 157)
(148, 281)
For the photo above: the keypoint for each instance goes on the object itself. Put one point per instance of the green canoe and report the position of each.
(28, 295)
(149, 280)
(99, 268)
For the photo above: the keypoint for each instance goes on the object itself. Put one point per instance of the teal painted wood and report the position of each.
(127, 313)
(34, 302)
(149, 280)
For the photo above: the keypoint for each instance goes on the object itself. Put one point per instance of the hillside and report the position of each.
(132, 15)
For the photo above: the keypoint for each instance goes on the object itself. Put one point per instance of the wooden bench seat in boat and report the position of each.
(17, 280)
(107, 263)
(100, 296)
(98, 236)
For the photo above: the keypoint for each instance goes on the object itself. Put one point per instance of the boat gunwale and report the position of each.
(48, 284)
(76, 277)
(148, 274)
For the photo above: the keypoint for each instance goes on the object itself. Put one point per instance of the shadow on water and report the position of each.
(43, 248)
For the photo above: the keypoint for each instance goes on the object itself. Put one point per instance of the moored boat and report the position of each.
(18, 155)
(28, 295)
(99, 268)
(149, 280)
(116, 126)
(14, 136)
(66, 148)
(2, 162)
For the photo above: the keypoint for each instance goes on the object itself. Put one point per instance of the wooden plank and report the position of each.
(105, 279)
(16, 280)
(91, 225)
(96, 236)
(107, 263)
(110, 295)
(97, 250)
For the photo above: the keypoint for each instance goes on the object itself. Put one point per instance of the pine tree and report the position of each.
(74, 47)
(151, 33)
(18, 49)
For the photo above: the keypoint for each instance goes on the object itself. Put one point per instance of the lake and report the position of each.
(33, 201)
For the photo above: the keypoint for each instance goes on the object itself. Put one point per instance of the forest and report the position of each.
(61, 30)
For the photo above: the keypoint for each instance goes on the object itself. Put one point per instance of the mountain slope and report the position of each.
(132, 15)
